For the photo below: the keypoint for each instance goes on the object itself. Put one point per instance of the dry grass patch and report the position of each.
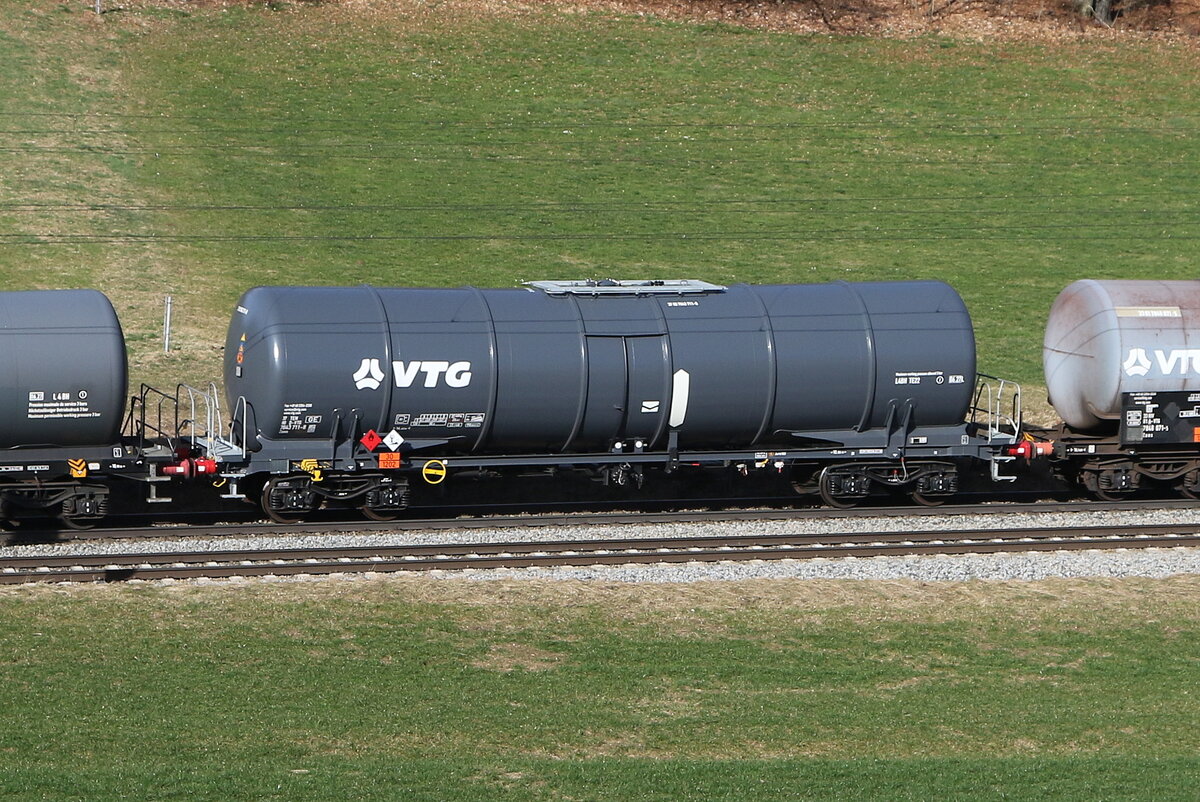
(1042, 21)
(508, 657)
(499, 607)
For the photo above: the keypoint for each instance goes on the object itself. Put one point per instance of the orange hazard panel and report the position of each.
(1196, 434)
(391, 459)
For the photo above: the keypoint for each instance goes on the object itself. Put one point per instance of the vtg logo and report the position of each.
(1137, 364)
(1176, 362)
(370, 375)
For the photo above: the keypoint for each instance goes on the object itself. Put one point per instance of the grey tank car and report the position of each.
(62, 354)
(572, 368)
(844, 387)
(63, 406)
(364, 397)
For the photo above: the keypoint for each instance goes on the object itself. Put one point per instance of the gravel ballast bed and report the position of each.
(1147, 563)
(950, 568)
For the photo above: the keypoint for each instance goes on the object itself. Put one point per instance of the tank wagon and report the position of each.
(363, 396)
(359, 396)
(62, 407)
(1122, 365)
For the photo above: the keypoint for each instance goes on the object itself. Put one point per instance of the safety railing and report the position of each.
(153, 418)
(996, 408)
(205, 406)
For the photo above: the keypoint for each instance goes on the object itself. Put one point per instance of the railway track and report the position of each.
(318, 561)
(492, 520)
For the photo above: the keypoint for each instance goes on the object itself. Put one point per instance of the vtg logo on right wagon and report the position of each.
(1176, 362)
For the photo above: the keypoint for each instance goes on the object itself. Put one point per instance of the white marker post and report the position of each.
(166, 317)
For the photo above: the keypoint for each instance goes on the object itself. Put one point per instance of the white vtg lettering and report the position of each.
(369, 375)
(455, 374)
(1176, 362)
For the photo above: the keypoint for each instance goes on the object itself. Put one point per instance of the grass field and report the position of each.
(419, 689)
(197, 149)
(201, 150)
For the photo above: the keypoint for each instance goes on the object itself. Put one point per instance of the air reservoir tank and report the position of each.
(62, 355)
(579, 366)
(1105, 338)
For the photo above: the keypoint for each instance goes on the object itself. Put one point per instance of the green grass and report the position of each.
(198, 150)
(457, 690)
(431, 147)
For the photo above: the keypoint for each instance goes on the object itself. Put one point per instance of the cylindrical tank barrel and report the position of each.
(561, 368)
(62, 354)
(1105, 338)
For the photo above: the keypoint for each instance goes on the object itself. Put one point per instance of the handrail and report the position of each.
(242, 406)
(137, 424)
(1002, 410)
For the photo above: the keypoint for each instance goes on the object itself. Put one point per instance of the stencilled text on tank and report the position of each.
(298, 417)
(71, 404)
(446, 420)
(927, 377)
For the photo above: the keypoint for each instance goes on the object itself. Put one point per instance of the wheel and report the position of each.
(1095, 482)
(803, 481)
(376, 515)
(282, 518)
(1188, 486)
(81, 513)
(277, 515)
(825, 488)
(1188, 492)
(78, 524)
(7, 522)
(927, 501)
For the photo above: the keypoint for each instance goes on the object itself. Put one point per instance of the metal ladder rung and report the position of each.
(153, 497)
(995, 469)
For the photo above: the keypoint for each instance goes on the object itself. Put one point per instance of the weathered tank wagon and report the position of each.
(1122, 364)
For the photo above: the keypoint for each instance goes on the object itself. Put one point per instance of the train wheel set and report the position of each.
(362, 397)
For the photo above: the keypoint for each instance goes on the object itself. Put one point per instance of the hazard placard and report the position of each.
(389, 459)
(434, 471)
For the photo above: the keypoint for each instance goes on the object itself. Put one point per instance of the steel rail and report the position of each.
(525, 520)
(434, 556)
